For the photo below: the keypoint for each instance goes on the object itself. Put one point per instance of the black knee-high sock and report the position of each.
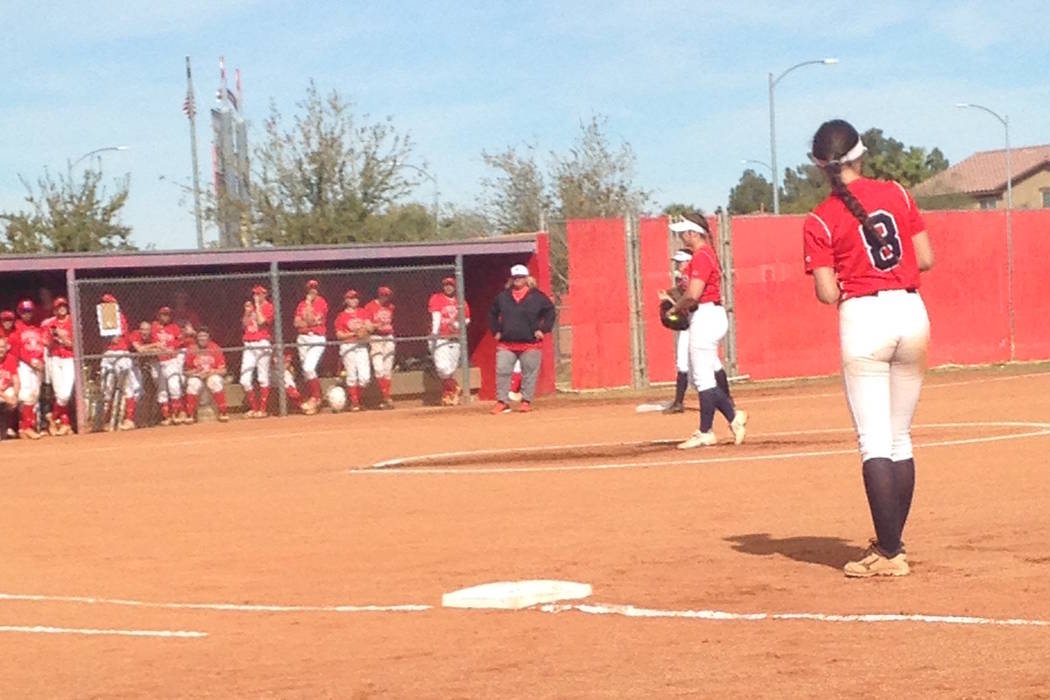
(723, 383)
(904, 476)
(680, 386)
(881, 488)
(707, 410)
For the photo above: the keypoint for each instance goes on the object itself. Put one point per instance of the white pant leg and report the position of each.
(193, 386)
(256, 361)
(171, 374)
(311, 349)
(446, 357)
(363, 365)
(907, 370)
(707, 327)
(382, 351)
(63, 374)
(215, 383)
(30, 380)
(262, 365)
(681, 351)
(160, 385)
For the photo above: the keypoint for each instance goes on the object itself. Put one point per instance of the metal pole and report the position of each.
(193, 150)
(278, 337)
(1010, 242)
(773, 147)
(725, 230)
(464, 348)
(437, 209)
(73, 295)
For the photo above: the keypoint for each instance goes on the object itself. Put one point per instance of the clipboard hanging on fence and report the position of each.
(108, 313)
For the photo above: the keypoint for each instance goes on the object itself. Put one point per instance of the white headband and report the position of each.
(686, 225)
(853, 154)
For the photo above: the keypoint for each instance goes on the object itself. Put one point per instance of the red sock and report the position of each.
(293, 396)
(264, 398)
(165, 410)
(129, 409)
(60, 414)
(253, 400)
(355, 395)
(384, 387)
(515, 382)
(191, 404)
(28, 421)
(220, 400)
(176, 405)
(313, 387)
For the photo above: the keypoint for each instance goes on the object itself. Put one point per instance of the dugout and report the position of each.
(216, 283)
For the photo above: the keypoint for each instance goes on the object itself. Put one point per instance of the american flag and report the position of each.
(189, 106)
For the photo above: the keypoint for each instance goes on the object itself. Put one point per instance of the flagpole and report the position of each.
(191, 112)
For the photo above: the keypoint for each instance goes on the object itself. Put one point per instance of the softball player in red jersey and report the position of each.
(62, 370)
(205, 367)
(707, 326)
(30, 343)
(381, 315)
(9, 385)
(257, 322)
(352, 327)
(168, 336)
(445, 347)
(865, 245)
(311, 321)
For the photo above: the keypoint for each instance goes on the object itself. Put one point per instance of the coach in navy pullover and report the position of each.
(519, 318)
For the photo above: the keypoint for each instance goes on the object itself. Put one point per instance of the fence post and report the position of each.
(725, 231)
(278, 337)
(639, 366)
(73, 294)
(461, 305)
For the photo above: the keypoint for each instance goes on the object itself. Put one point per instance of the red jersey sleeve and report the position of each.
(915, 222)
(436, 302)
(817, 250)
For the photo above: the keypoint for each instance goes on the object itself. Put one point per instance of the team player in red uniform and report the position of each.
(352, 328)
(168, 335)
(257, 322)
(381, 315)
(865, 246)
(311, 322)
(7, 323)
(206, 367)
(9, 423)
(707, 326)
(9, 385)
(680, 260)
(60, 365)
(445, 324)
(116, 364)
(30, 343)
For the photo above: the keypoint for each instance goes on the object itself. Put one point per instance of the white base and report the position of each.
(652, 407)
(515, 595)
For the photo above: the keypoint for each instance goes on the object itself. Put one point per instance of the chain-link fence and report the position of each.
(277, 342)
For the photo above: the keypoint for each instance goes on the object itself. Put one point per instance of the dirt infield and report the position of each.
(239, 560)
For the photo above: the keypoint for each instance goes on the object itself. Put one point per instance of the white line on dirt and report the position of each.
(228, 607)
(39, 629)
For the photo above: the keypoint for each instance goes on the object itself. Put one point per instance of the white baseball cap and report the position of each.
(682, 256)
(519, 271)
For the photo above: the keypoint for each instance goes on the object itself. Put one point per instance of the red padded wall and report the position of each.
(1032, 284)
(655, 245)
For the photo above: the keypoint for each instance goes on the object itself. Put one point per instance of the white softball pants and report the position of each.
(707, 327)
(29, 380)
(884, 340)
(446, 357)
(214, 382)
(681, 351)
(311, 348)
(170, 384)
(382, 352)
(63, 372)
(256, 361)
(114, 363)
(356, 363)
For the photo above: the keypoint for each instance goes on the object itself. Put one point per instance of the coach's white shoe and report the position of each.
(739, 426)
(699, 439)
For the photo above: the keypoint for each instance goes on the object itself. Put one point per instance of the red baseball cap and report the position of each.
(312, 284)
(258, 289)
(108, 298)
(60, 301)
(350, 294)
(26, 306)
(449, 280)
(6, 315)
(384, 292)
(164, 310)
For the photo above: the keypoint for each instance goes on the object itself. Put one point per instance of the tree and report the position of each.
(66, 216)
(754, 193)
(515, 198)
(328, 177)
(594, 179)
(678, 209)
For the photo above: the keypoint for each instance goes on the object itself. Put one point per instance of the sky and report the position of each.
(684, 83)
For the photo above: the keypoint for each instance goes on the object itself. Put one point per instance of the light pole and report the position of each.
(70, 166)
(437, 202)
(1005, 121)
(772, 123)
(763, 163)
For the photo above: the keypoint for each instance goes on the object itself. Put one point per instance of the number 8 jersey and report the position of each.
(865, 265)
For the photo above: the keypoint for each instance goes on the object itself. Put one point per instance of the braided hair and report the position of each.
(833, 140)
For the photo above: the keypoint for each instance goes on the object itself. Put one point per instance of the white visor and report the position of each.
(686, 225)
(682, 256)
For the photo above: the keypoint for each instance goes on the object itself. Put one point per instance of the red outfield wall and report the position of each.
(782, 331)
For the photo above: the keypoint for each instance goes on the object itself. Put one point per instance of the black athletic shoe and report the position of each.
(675, 408)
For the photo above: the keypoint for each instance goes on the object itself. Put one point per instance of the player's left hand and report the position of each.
(539, 335)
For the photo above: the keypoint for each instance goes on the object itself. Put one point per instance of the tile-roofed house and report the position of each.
(980, 180)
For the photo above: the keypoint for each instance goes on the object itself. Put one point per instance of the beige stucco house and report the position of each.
(979, 182)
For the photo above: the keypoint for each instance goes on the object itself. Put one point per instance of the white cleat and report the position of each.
(699, 439)
(739, 426)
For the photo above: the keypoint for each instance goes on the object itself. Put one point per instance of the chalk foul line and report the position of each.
(636, 612)
(41, 629)
(225, 607)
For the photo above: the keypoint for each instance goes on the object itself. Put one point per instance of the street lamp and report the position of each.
(433, 179)
(70, 166)
(772, 123)
(1005, 121)
(763, 163)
